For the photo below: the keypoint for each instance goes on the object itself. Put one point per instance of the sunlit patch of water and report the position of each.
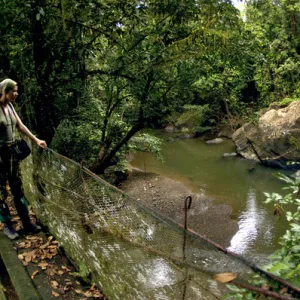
(251, 224)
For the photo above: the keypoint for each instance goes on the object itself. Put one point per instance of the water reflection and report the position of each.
(231, 181)
(159, 274)
(252, 226)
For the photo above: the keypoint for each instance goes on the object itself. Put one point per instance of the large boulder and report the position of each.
(274, 140)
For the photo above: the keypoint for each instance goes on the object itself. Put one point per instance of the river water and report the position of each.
(228, 180)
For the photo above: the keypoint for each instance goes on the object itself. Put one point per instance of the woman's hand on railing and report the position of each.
(41, 143)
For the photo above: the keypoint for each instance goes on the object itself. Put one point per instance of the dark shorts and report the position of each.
(10, 171)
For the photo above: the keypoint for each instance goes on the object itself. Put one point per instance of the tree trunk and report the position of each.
(107, 160)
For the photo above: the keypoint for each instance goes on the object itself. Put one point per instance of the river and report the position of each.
(228, 180)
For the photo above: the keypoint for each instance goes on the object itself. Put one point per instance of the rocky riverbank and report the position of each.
(167, 197)
(272, 140)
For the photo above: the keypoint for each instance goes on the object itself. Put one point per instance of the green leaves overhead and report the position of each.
(275, 28)
(142, 61)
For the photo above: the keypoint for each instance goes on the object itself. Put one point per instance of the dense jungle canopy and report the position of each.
(93, 74)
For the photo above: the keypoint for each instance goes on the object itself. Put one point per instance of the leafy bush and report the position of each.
(286, 261)
(195, 117)
(81, 142)
(287, 101)
(77, 140)
(145, 142)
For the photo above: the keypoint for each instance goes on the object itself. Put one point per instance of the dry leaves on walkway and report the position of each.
(93, 292)
(34, 250)
(34, 273)
(41, 251)
(68, 284)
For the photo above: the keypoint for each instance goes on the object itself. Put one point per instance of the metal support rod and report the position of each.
(186, 207)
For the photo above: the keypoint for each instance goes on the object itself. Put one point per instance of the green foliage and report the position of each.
(287, 101)
(145, 142)
(77, 140)
(239, 293)
(194, 118)
(84, 275)
(145, 66)
(81, 137)
(144, 62)
(39, 50)
(274, 33)
(286, 261)
(139, 61)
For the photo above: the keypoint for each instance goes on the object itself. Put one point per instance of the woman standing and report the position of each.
(9, 165)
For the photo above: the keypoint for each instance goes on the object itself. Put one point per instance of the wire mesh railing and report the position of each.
(131, 251)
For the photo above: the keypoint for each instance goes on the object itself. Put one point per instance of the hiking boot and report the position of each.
(32, 228)
(10, 232)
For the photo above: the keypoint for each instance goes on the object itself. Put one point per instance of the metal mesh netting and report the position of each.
(131, 251)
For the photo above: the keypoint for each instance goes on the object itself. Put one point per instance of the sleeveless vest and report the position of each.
(8, 124)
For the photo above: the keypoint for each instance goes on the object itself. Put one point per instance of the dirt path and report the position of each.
(167, 197)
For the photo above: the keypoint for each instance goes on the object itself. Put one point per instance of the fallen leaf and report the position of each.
(21, 245)
(88, 294)
(283, 290)
(94, 291)
(43, 265)
(78, 291)
(52, 247)
(31, 237)
(55, 294)
(67, 288)
(54, 284)
(61, 290)
(66, 269)
(50, 272)
(69, 283)
(20, 257)
(44, 245)
(28, 258)
(34, 273)
(224, 277)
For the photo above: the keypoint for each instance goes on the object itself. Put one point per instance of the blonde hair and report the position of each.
(7, 85)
